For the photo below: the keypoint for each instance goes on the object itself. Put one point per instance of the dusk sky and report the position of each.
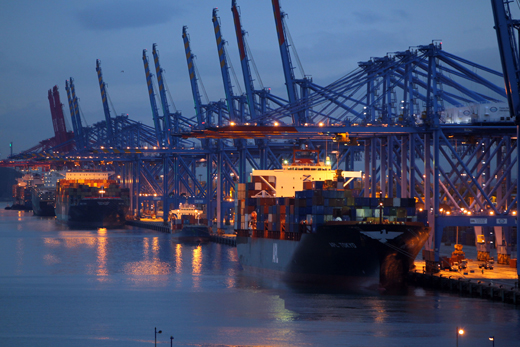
(46, 42)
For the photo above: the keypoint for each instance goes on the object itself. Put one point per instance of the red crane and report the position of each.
(58, 120)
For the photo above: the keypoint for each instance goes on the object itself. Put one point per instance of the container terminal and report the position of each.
(408, 120)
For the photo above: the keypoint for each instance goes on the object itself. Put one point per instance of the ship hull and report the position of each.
(93, 213)
(43, 202)
(350, 256)
(191, 234)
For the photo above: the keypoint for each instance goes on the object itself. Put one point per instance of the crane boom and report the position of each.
(193, 77)
(226, 78)
(60, 129)
(153, 102)
(244, 61)
(509, 55)
(290, 81)
(106, 109)
(71, 108)
(53, 114)
(81, 143)
(167, 127)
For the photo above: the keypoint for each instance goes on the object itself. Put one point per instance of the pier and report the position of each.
(499, 284)
(223, 236)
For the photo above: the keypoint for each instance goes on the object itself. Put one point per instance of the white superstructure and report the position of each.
(290, 178)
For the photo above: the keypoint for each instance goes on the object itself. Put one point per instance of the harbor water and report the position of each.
(61, 287)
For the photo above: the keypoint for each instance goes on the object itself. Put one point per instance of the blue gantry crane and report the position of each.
(506, 28)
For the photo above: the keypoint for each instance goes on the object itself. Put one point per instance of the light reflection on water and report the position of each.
(112, 287)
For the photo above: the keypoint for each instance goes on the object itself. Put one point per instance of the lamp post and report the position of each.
(157, 332)
(492, 338)
(460, 331)
(171, 341)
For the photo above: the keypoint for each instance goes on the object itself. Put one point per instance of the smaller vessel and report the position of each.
(89, 199)
(44, 194)
(185, 225)
(43, 200)
(22, 191)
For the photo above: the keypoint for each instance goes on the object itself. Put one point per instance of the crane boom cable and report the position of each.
(233, 71)
(168, 91)
(201, 83)
(110, 101)
(293, 47)
(254, 64)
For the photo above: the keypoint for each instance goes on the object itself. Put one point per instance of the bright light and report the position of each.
(232, 123)
(321, 124)
(448, 212)
(491, 338)
(514, 213)
(276, 124)
(461, 332)
(491, 213)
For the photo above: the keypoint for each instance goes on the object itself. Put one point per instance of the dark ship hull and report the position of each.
(348, 255)
(43, 202)
(93, 213)
(191, 234)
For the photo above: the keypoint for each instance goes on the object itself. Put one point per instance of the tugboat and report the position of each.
(185, 227)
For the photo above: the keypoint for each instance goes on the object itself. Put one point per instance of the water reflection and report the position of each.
(143, 256)
(151, 265)
(102, 256)
(197, 260)
(19, 255)
(178, 258)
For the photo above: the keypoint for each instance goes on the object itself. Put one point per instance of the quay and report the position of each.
(499, 284)
(223, 236)
(149, 224)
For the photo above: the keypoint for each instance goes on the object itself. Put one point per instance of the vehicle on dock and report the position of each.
(487, 266)
(304, 225)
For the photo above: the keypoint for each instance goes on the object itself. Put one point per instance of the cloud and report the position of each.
(126, 14)
(368, 17)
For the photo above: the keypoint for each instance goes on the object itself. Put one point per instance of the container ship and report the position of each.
(91, 200)
(303, 225)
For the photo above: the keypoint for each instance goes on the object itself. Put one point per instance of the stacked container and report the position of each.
(320, 202)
